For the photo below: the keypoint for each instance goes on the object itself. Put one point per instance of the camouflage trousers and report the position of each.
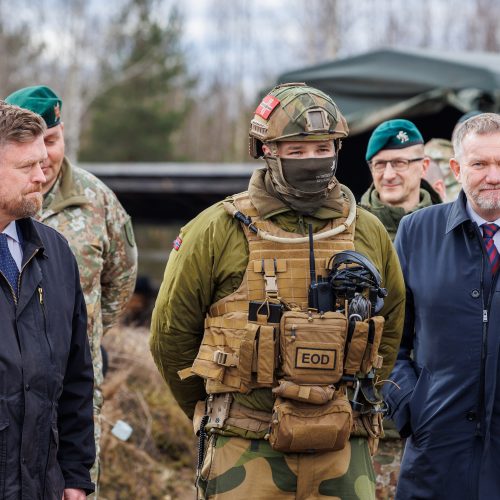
(387, 463)
(237, 468)
(95, 472)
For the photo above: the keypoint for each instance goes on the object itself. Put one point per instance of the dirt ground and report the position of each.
(157, 462)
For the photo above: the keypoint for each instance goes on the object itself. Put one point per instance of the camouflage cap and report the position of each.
(41, 100)
(295, 111)
(393, 134)
(439, 149)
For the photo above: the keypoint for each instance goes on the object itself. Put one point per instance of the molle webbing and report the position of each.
(288, 263)
(238, 355)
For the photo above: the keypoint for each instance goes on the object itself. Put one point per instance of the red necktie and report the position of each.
(489, 231)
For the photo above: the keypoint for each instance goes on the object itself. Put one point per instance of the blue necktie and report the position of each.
(8, 265)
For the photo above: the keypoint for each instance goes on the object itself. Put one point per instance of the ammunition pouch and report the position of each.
(298, 427)
(236, 355)
(361, 347)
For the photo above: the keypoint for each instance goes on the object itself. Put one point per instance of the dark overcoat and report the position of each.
(447, 398)
(46, 381)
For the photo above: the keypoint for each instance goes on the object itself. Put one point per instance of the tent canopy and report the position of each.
(375, 81)
(433, 89)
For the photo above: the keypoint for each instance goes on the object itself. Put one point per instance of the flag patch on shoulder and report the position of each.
(177, 243)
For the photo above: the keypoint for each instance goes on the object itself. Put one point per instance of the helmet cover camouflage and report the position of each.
(295, 112)
(440, 151)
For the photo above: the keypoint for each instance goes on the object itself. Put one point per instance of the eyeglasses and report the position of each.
(398, 165)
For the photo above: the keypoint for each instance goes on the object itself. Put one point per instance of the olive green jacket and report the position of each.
(209, 265)
(391, 216)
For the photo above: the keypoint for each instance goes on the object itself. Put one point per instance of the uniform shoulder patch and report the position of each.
(129, 232)
(266, 106)
(177, 243)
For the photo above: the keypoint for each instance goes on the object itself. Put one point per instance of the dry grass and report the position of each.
(157, 462)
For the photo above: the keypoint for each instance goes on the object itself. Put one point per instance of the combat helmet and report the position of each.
(295, 111)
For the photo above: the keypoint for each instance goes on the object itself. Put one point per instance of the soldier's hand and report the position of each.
(74, 494)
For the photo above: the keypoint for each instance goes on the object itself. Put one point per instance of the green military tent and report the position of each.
(433, 89)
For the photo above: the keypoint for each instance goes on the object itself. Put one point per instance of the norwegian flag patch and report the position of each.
(265, 108)
(177, 243)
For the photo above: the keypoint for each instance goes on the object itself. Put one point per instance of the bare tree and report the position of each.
(20, 54)
(320, 30)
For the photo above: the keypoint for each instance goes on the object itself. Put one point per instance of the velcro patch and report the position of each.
(265, 108)
(177, 243)
(316, 359)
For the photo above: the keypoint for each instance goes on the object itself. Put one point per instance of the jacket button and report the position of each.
(471, 416)
(27, 387)
(475, 293)
(23, 460)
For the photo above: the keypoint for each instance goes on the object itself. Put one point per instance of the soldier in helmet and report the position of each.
(255, 328)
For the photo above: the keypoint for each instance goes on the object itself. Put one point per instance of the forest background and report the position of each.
(165, 80)
(178, 80)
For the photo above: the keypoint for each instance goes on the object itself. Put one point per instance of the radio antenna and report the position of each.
(312, 264)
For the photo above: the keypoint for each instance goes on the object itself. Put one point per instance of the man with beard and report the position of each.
(262, 366)
(46, 380)
(446, 396)
(97, 228)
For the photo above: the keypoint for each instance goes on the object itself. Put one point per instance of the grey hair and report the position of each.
(482, 124)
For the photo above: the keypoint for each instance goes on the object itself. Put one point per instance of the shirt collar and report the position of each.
(477, 218)
(11, 231)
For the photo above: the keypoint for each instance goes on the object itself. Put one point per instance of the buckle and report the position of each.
(225, 358)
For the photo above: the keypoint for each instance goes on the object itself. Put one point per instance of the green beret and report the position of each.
(393, 134)
(41, 100)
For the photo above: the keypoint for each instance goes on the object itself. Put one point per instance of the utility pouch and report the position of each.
(363, 341)
(312, 394)
(372, 423)
(236, 355)
(371, 358)
(312, 347)
(301, 427)
(219, 353)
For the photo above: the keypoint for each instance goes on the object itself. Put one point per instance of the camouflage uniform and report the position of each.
(240, 468)
(210, 264)
(441, 150)
(99, 232)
